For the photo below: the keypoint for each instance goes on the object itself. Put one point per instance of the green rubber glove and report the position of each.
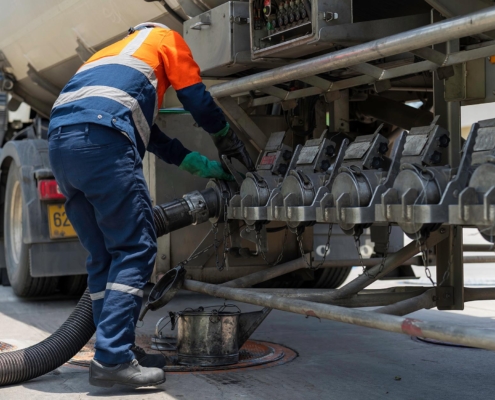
(199, 165)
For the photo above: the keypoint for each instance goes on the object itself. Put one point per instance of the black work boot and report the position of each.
(148, 360)
(128, 374)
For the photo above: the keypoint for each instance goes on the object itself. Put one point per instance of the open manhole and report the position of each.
(254, 354)
(4, 347)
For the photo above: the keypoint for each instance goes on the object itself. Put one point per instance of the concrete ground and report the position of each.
(335, 360)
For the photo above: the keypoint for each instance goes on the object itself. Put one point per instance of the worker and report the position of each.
(100, 127)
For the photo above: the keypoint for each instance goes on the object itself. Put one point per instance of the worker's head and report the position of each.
(146, 25)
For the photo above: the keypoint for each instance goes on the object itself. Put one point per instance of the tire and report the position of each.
(287, 281)
(73, 285)
(325, 278)
(16, 251)
(330, 278)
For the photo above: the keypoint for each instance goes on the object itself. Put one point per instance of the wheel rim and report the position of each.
(16, 223)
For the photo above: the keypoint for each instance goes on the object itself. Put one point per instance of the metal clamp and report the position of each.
(239, 20)
(330, 16)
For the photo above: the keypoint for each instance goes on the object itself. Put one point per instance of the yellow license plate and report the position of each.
(59, 224)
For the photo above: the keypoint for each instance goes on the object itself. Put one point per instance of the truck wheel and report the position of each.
(16, 251)
(73, 285)
(330, 278)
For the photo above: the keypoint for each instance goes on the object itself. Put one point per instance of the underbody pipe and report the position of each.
(366, 298)
(479, 294)
(478, 247)
(267, 274)
(440, 32)
(41, 358)
(465, 336)
(425, 300)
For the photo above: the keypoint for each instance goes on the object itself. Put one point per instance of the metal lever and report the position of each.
(237, 175)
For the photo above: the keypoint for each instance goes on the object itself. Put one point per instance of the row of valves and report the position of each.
(357, 184)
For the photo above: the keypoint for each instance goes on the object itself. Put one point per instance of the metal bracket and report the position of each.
(205, 20)
(41, 81)
(199, 25)
(445, 296)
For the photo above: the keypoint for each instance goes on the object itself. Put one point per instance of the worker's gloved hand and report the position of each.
(200, 165)
(230, 145)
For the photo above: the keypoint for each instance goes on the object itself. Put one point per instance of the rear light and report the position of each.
(49, 190)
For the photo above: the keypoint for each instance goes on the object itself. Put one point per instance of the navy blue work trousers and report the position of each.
(100, 172)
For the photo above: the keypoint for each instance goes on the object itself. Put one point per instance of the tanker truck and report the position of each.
(351, 109)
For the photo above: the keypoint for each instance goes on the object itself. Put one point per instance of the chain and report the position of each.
(226, 234)
(357, 243)
(262, 253)
(193, 256)
(423, 248)
(385, 254)
(384, 258)
(216, 244)
(299, 238)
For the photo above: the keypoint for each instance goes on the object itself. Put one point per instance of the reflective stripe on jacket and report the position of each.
(122, 86)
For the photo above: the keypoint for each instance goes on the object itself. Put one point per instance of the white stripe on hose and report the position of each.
(113, 94)
(137, 42)
(119, 287)
(97, 295)
(131, 62)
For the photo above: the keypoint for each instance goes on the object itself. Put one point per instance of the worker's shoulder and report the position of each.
(166, 35)
(163, 32)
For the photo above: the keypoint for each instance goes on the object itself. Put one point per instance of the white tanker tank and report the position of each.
(43, 43)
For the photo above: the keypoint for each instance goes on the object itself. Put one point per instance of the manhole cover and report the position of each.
(254, 354)
(4, 347)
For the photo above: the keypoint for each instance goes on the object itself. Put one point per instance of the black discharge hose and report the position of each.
(39, 359)
(193, 209)
(25, 364)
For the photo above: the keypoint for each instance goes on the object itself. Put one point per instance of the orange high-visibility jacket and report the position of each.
(122, 87)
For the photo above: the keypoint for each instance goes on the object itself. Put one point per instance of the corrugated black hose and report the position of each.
(39, 359)
(22, 365)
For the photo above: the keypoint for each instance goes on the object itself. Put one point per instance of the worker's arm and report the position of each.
(172, 151)
(184, 75)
